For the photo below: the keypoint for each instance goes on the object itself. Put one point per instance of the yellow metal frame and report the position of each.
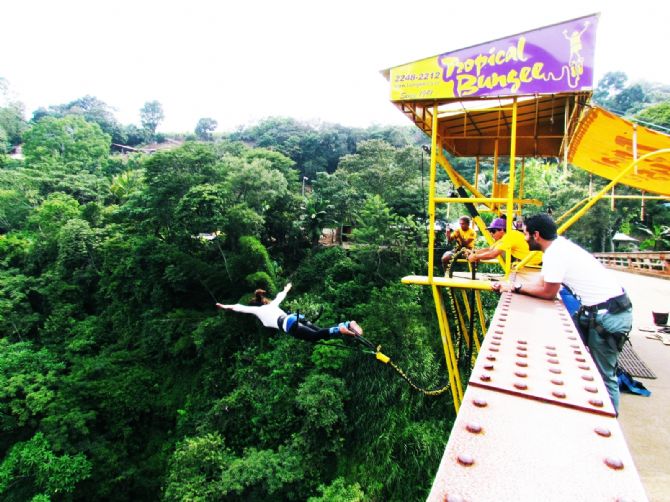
(510, 204)
(438, 283)
(590, 201)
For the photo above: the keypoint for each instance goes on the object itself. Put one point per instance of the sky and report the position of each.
(239, 61)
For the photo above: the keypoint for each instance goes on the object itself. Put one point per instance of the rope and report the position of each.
(435, 392)
(377, 352)
(455, 312)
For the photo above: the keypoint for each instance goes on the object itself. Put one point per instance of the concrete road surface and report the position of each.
(646, 420)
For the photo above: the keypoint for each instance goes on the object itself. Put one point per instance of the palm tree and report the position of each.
(658, 236)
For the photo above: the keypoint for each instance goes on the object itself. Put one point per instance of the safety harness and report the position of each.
(586, 319)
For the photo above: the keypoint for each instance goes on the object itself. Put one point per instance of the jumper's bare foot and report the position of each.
(346, 331)
(353, 326)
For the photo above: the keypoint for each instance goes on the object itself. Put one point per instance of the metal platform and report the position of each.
(536, 422)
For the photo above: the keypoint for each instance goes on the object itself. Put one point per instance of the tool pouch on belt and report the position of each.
(619, 339)
(619, 304)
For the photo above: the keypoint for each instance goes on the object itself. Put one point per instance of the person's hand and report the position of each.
(472, 258)
(501, 287)
(226, 307)
(288, 287)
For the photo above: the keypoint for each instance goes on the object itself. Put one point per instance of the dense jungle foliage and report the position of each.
(120, 380)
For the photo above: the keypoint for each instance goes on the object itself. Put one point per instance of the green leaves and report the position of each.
(70, 141)
(33, 468)
(28, 380)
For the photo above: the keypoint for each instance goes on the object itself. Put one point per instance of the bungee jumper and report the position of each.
(272, 316)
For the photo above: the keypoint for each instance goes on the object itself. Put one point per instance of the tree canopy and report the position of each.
(120, 380)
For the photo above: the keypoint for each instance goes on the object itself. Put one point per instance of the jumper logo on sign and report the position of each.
(552, 59)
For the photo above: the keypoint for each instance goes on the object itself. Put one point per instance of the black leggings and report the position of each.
(305, 330)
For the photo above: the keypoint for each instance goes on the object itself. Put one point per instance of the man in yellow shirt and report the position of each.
(514, 242)
(464, 236)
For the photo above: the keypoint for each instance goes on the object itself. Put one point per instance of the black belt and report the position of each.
(606, 303)
(280, 322)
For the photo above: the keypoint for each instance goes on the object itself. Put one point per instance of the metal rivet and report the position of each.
(474, 428)
(500, 325)
(596, 402)
(498, 332)
(553, 361)
(494, 349)
(591, 389)
(559, 394)
(572, 338)
(479, 403)
(557, 381)
(522, 342)
(555, 371)
(588, 378)
(495, 342)
(521, 354)
(575, 346)
(521, 347)
(488, 367)
(614, 463)
(550, 347)
(521, 374)
(520, 386)
(522, 364)
(485, 378)
(490, 358)
(497, 337)
(580, 359)
(465, 460)
(578, 352)
(551, 354)
(602, 431)
(584, 367)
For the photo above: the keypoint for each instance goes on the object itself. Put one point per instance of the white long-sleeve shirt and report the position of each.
(268, 314)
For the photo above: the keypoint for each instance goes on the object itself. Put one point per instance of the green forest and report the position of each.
(119, 379)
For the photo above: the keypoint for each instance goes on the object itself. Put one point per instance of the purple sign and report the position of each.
(552, 59)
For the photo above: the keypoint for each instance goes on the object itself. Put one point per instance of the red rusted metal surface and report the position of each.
(508, 448)
(532, 349)
(536, 422)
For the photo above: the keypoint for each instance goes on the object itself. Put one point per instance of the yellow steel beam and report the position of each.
(431, 193)
(609, 186)
(448, 347)
(464, 200)
(512, 185)
(447, 282)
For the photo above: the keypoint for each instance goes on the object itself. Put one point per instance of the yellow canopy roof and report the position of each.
(603, 145)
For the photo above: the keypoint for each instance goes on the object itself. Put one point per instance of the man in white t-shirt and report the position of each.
(605, 317)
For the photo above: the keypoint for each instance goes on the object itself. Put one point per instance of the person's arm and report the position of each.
(484, 254)
(280, 297)
(541, 289)
(246, 309)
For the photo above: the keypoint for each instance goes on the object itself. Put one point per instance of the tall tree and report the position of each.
(92, 110)
(69, 141)
(205, 128)
(12, 122)
(151, 115)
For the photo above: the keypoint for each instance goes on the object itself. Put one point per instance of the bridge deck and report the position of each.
(536, 422)
(645, 420)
